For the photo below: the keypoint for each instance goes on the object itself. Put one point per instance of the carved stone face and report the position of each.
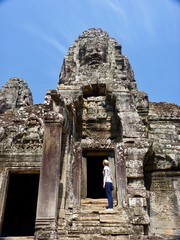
(15, 94)
(92, 53)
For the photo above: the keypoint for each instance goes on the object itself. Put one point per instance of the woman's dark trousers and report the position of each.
(108, 189)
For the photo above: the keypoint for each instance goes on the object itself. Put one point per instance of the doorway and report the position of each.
(21, 202)
(92, 173)
(95, 177)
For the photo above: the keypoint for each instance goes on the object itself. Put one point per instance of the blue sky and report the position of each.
(36, 35)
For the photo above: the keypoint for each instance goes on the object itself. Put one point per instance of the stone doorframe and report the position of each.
(121, 179)
(120, 173)
(4, 188)
(109, 154)
(5, 175)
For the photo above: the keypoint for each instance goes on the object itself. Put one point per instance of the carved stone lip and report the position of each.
(94, 62)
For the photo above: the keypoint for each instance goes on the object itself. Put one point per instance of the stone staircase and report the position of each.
(93, 218)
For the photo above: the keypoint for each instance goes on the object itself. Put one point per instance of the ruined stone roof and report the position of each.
(165, 110)
(21, 130)
(21, 122)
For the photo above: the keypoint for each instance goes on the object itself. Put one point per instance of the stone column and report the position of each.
(120, 174)
(76, 174)
(84, 178)
(46, 215)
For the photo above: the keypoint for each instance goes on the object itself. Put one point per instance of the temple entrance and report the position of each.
(95, 177)
(92, 174)
(20, 210)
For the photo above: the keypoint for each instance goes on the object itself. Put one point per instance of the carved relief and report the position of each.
(92, 53)
(99, 116)
(32, 131)
(53, 107)
(141, 100)
(97, 143)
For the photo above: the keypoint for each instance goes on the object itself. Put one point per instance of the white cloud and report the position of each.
(115, 5)
(47, 38)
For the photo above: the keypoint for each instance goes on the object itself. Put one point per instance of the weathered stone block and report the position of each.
(137, 202)
(118, 230)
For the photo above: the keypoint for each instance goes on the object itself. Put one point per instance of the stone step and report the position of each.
(93, 217)
(113, 219)
(75, 230)
(17, 238)
(101, 219)
(95, 202)
(87, 217)
(120, 229)
(120, 216)
(102, 211)
(102, 216)
(117, 230)
(69, 237)
(96, 209)
(94, 205)
(86, 223)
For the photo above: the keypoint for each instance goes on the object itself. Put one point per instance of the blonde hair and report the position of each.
(105, 162)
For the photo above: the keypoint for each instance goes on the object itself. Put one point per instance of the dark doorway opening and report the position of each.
(20, 211)
(95, 177)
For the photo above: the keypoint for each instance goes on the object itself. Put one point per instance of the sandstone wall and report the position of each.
(162, 168)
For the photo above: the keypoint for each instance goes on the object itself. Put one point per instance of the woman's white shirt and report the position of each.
(108, 175)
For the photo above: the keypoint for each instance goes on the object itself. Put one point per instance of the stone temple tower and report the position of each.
(97, 113)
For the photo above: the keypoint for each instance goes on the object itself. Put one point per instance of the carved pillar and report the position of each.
(4, 179)
(113, 170)
(84, 178)
(46, 215)
(120, 174)
(76, 174)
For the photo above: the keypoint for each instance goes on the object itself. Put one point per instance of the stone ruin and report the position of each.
(51, 154)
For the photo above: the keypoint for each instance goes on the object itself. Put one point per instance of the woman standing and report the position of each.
(107, 183)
